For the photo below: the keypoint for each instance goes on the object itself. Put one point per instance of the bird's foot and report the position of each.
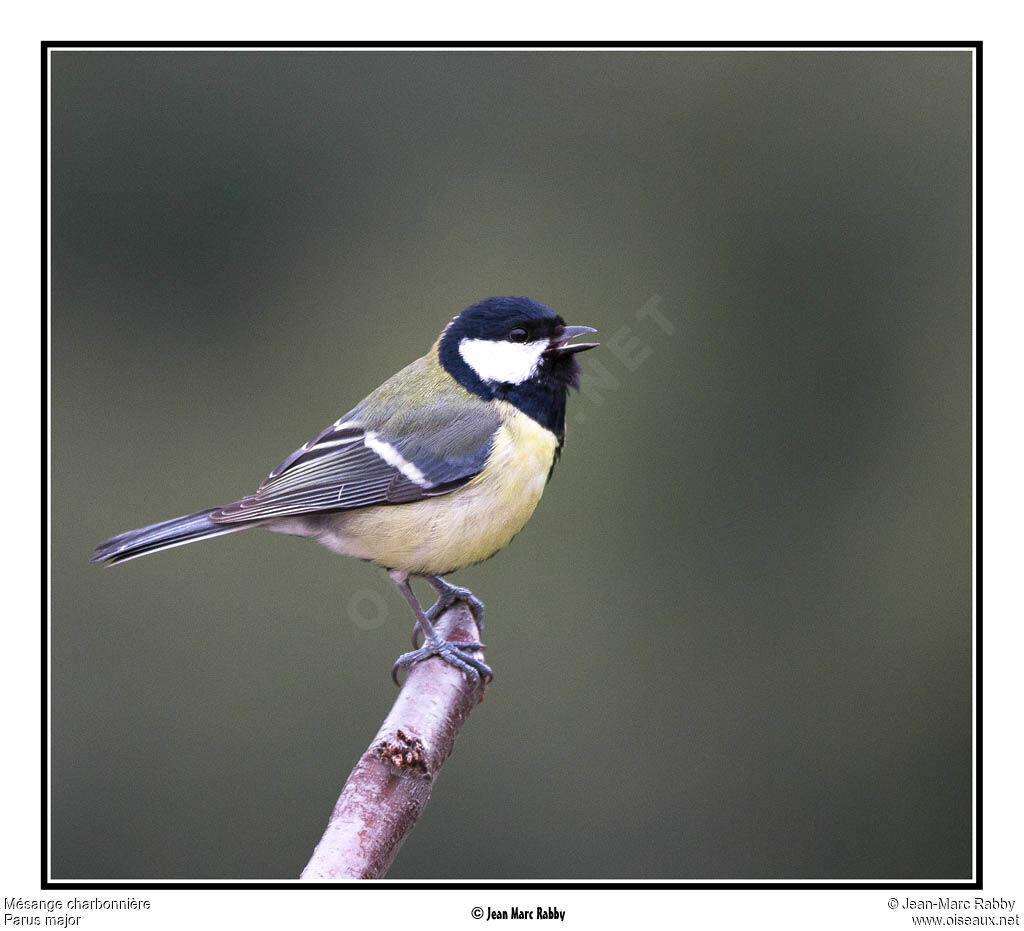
(447, 595)
(454, 652)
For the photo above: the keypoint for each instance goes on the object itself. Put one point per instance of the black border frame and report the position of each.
(739, 45)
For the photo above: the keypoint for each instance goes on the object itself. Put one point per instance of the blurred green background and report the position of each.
(735, 639)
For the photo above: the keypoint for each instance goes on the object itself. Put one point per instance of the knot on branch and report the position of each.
(404, 752)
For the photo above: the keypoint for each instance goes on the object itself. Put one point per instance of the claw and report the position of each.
(453, 652)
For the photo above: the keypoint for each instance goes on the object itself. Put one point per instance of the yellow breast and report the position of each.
(439, 535)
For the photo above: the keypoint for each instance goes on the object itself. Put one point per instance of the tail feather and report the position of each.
(162, 536)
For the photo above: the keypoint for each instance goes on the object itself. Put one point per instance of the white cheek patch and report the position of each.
(501, 360)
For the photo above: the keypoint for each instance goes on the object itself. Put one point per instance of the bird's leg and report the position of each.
(447, 595)
(455, 653)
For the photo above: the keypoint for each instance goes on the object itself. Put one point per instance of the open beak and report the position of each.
(560, 345)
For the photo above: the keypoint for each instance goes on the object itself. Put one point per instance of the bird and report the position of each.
(434, 471)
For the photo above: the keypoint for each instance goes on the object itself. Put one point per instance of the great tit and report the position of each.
(435, 470)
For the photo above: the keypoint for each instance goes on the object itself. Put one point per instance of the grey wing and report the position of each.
(349, 465)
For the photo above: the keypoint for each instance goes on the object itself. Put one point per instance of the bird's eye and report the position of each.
(517, 335)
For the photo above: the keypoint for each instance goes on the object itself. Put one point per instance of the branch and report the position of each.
(390, 785)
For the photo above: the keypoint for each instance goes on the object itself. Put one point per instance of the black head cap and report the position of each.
(496, 317)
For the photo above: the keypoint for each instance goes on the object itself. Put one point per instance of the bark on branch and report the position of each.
(391, 783)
